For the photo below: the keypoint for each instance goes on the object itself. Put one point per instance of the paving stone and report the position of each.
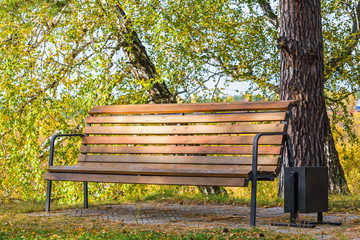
(198, 215)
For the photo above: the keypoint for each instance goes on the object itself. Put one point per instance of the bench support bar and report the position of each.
(254, 174)
(86, 195)
(48, 195)
(51, 161)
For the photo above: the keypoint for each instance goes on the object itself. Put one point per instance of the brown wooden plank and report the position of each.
(223, 140)
(241, 150)
(238, 171)
(190, 107)
(185, 129)
(189, 118)
(245, 160)
(167, 169)
(159, 180)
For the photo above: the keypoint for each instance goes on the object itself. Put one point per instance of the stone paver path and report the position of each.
(201, 216)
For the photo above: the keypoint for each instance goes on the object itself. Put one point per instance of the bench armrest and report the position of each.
(254, 175)
(256, 146)
(52, 144)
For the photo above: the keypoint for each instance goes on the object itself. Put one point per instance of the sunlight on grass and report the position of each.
(15, 224)
(267, 195)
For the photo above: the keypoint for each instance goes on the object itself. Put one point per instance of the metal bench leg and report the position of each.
(86, 195)
(253, 203)
(48, 196)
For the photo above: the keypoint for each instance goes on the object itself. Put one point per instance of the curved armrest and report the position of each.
(256, 145)
(254, 174)
(52, 144)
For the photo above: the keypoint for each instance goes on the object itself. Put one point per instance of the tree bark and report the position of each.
(140, 64)
(301, 78)
(337, 180)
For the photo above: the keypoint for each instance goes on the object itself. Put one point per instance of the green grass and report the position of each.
(135, 233)
(266, 197)
(16, 223)
(337, 203)
(183, 194)
(345, 203)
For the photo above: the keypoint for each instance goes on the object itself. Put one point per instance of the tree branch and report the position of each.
(236, 76)
(336, 63)
(140, 64)
(268, 13)
(343, 97)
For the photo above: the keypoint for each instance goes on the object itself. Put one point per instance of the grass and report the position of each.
(16, 223)
(266, 197)
(345, 203)
(75, 228)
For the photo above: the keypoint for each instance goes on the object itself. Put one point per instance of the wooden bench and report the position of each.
(209, 144)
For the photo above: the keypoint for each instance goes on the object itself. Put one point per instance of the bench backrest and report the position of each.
(211, 133)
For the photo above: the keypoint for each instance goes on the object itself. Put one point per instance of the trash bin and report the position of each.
(305, 191)
(309, 186)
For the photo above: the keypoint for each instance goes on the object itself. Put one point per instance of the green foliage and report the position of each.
(57, 62)
(349, 152)
(60, 58)
(211, 41)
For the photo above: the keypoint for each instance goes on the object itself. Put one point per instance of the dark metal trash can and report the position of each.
(310, 186)
(306, 191)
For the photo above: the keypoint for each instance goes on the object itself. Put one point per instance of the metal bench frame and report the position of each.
(253, 177)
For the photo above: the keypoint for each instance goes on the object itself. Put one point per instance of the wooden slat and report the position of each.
(190, 118)
(190, 107)
(242, 150)
(185, 129)
(223, 140)
(168, 169)
(159, 180)
(245, 160)
(238, 171)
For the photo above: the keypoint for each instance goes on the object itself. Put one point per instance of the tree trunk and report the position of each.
(140, 65)
(337, 180)
(301, 78)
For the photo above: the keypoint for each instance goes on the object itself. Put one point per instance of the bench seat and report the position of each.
(157, 180)
(160, 169)
(204, 144)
